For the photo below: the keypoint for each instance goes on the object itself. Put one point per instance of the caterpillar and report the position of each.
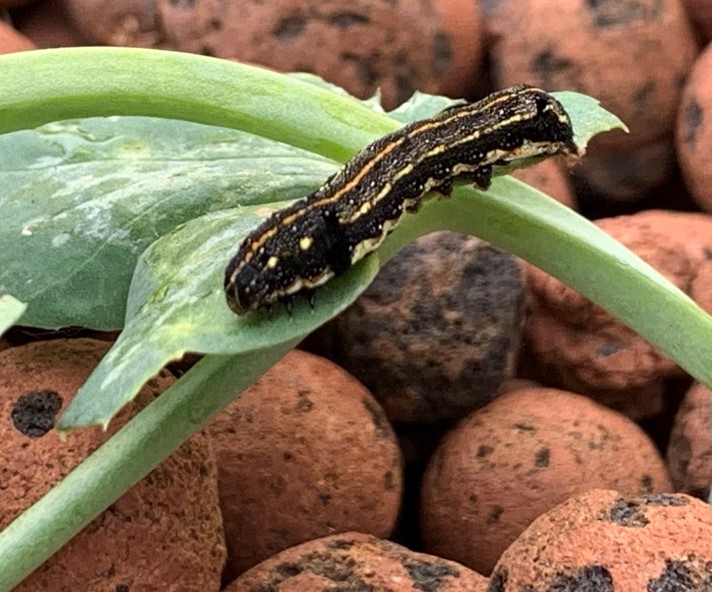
(320, 236)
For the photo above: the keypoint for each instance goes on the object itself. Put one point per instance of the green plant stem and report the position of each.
(102, 81)
(127, 457)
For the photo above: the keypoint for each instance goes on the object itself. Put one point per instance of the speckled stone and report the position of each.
(165, 533)
(357, 562)
(694, 132)
(515, 459)
(689, 452)
(305, 452)
(605, 541)
(632, 55)
(576, 345)
(396, 46)
(438, 330)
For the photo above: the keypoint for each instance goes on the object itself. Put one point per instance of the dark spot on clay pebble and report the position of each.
(34, 413)
(646, 483)
(693, 116)
(495, 514)
(542, 458)
(548, 65)
(215, 24)
(690, 573)
(621, 13)
(289, 28)
(346, 19)
(336, 568)
(664, 499)
(288, 570)
(484, 451)
(404, 87)
(591, 578)
(341, 544)
(498, 580)
(380, 421)
(122, 588)
(324, 498)
(429, 577)
(365, 67)
(442, 53)
(525, 427)
(627, 513)
(607, 349)
(643, 94)
(388, 481)
(182, 3)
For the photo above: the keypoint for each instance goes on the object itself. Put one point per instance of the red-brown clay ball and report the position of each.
(689, 452)
(630, 54)
(305, 452)
(165, 533)
(694, 133)
(607, 541)
(358, 562)
(518, 457)
(438, 330)
(576, 345)
(12, 41)
(397, 46)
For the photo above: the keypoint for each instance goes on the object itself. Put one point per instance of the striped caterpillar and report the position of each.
(323, 234)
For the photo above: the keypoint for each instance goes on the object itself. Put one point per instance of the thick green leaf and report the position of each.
(177, 305)
(11, 310)
(82, 200)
